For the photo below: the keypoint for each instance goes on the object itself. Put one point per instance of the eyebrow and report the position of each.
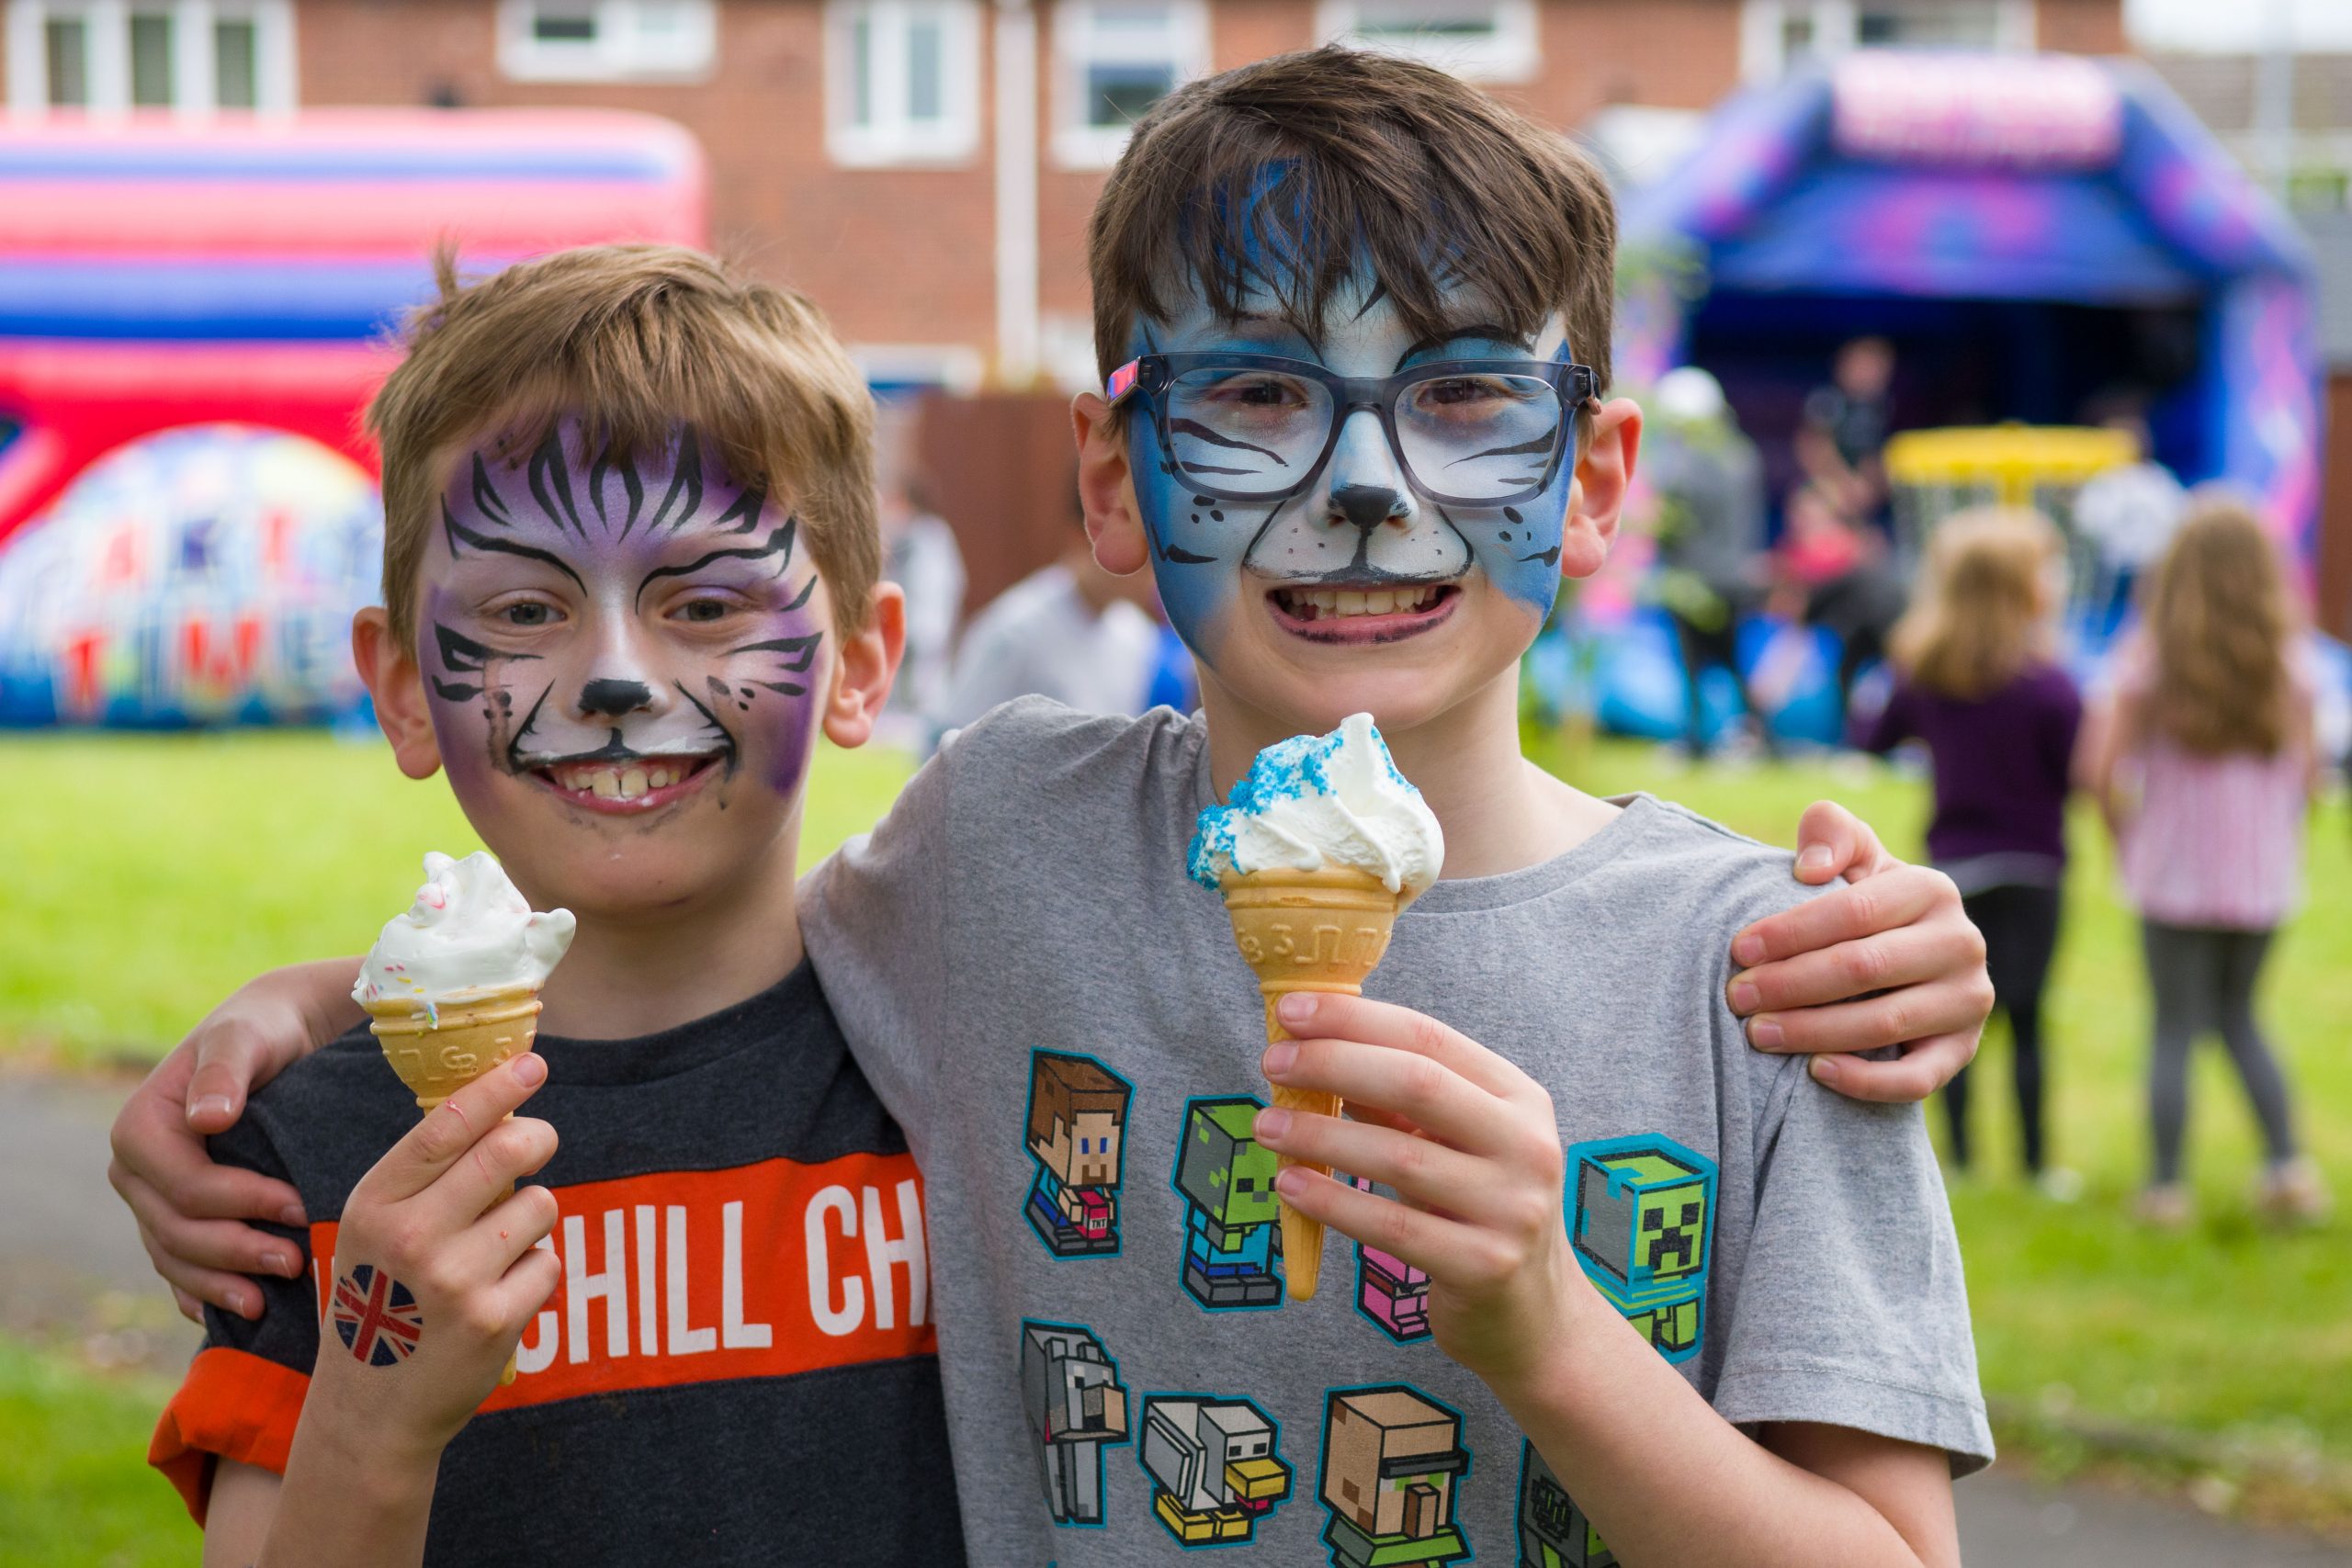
(1272, 319)
(1524, 342)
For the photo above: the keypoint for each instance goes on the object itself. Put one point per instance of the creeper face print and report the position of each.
(1215, 1467)
(1641, 1216)
(1552, 1531)
(1076, 1406)
(1227, 1179)
(1392, 1460)
(1390, 1291)
(1076, 1134)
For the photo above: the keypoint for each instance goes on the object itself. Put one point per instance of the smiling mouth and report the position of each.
(624, 785)
(1383, 612)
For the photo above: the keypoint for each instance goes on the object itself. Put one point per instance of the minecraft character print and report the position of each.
(1215, 1467)
(1641, 1217)
(1076, 1406)
(1552, 1531)
(1392, 1463)
(1076, 1134)
(1227, 1179)
(1390, 1291)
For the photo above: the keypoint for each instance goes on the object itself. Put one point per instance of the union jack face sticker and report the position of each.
(375, 1317)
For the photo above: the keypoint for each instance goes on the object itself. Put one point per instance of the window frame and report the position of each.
(897, 141)
(1837, 30)
(1076, 143)
(1514, 52)
(615, 54)
(106, 56)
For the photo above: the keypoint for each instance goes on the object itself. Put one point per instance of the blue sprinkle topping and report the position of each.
(1288, 769)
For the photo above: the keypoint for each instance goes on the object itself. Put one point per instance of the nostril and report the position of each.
(613, 698)
(1367, 506)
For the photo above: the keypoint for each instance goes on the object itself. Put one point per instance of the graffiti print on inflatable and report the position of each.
(207, 575)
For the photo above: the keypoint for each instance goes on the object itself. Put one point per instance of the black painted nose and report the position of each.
(1367, 506)
(613, 698)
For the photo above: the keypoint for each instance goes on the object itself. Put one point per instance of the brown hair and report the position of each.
(633, 340)
(1980, 614)
(1060, 1087)
(2218, 619)
(1328, 158)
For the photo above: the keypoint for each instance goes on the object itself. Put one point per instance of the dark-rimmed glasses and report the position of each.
(1259, 426)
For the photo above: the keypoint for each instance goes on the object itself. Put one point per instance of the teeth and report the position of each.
(1314, 603)
(605, 783)
(632, 783)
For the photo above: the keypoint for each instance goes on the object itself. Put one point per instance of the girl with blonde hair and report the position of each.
(2205, 765)
(1977, 680)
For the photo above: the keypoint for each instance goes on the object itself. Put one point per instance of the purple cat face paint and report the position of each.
(627, 638)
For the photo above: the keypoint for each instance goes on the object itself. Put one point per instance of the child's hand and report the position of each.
(430, 1292)
(1472, 1148)
(192, 1213)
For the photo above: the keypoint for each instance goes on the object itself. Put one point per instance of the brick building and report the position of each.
(882, 156)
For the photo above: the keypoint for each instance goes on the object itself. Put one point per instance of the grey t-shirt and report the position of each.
(1061, 1022)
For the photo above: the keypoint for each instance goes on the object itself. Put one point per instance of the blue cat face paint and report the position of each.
(1357, 556)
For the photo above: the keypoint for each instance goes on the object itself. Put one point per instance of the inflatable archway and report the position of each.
(202, 301)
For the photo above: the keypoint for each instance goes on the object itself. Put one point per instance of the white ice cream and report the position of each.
(1318, 801)
(469, 930)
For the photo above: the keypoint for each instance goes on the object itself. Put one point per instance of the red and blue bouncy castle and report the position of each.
(191, 319)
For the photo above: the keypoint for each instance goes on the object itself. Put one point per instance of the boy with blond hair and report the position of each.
(1660, 1310)
(629, 574)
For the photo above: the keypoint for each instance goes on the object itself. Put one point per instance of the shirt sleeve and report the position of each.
(1890, 726)
(874, 917)
(1852, 1311)
(243, 1392)
(2062, 726)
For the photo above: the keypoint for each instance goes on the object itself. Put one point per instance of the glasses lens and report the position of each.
(1246, 432)
(1480, 436)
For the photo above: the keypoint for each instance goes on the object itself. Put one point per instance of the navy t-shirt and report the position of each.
(740, 1365)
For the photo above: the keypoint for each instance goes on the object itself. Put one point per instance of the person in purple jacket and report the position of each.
(1974, 680)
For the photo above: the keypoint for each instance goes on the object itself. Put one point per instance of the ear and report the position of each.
(867, 664)
(394, 680)
(1596, 496)
(1106, 488)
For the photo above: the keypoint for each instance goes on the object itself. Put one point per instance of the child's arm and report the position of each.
(1471, 1145)
(188, 1207)
(440, 1265)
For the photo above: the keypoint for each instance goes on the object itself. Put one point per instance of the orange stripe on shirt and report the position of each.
(235, 1405)
(758, 1271)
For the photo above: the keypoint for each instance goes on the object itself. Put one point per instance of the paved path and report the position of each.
(71, 1262)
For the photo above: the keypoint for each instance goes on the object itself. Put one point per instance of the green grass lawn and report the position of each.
(134, 905)
(76, 1488)
(152, 874)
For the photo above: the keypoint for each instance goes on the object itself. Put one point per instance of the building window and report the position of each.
(1114, 60)
(901, 81)
(1486, 41)
(190, 56)
(606, 40)
(1779, 36)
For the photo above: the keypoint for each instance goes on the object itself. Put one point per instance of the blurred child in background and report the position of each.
(1832, 571)
(2205, 765)
(1975, 680)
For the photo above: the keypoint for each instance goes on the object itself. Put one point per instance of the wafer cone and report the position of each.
(439, 1050)
(1307, 931)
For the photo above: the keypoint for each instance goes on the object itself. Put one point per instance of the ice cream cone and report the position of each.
(1307, 931)
(439, 1050)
